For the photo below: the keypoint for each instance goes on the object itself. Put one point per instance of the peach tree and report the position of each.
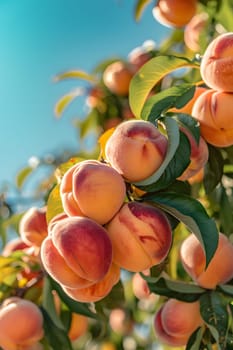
(128, 245)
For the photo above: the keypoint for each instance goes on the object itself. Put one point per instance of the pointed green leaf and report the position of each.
(139, 8)
(226, 288)
(75, 74)
(23, 175)
(149, 75)
(192, 213)
(66, 100)
(195, 340)
(213, 169)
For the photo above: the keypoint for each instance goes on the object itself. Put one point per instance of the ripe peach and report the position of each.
(78, 252)
(219, 270)
(216, 63)
(136, 149)
(176, 320)
(78, 326)
(174, 13)
(117, 77)
(198, 158)
(193, 29)
(138, 57)
(141, 236)
(33, 226)
(139, 285)
(211, 109)
(120, 322)
(29, 328)
(14, 245)
(187, 109)
(93, 189)
(98, 290)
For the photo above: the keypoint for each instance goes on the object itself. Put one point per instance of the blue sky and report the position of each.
(41, 38)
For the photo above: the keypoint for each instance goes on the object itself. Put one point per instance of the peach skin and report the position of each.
(216, 64)
(219, 270)
(141, 236)
(78, 326)
(213, 111)
(136, 149)
(193, 29)
(93, 189)
(117, 77)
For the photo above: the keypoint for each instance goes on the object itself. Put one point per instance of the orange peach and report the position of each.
(216, 63)
(117, 77)
(219, 270)
(77, 253)
(136, 149)
(78, 326)
(174, 13)
(193, 29)
(98, 290)
(176, 320)
(141, 236)
(93, 189)
(33, 226)
(29, 328)
(213, 111)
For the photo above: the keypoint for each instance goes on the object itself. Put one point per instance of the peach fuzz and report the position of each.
(117, 77)
(213, 111)
(136, 149)
(176, 320)
(216, 64)
(33, 226)
(141, 236)
(193, 29)
(219, 270)
(93, 189)
(29, 328)
(81, 249)
(98, 290)
(174, 13)
(78, 326)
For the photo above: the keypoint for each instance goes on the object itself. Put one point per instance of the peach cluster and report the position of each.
(21, 324)
(176, 320)
(213, 108)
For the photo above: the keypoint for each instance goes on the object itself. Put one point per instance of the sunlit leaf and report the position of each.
(139, 8)
(191, 212)
(103, 140)
(75, 74)
(54, 204)
(22, 176)
(66, 100)
(149, 75)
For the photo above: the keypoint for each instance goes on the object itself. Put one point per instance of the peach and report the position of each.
(139, 285)
(136, 149)
(138, 57)
(187, 109)
(141, 236)
(120, 321)
(198, 158)
(33, 226)
(216, 64)
(193, 29)
(176, 320)
(78, 326)
(117, 77)
(174, 13)
(77, 253)
(29, 328)
(219, 270)
(98, 290)
(14, 245)
(93, 189)
(213, 111)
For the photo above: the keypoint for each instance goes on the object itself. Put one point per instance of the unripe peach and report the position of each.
(136, 149)
(78, 252)
(213, 111)
(216, 64)
(33, 226)
(174, 13)
(117, 77)
(141, 236)
(93, 189)
(193, 29)
(29, 328)
(176, 320)
(219, 270)
(98, 290)
(78, 326)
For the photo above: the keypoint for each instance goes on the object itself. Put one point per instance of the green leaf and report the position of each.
(66, 100)
(214, 312)
(149, 75)
(175, 96)
(57, 337)
(139, 8)
(73, 305)
(174, 289)
(89, 123)
(226, 288)
(189, 123)
(195, 340)
(213, 169)
(116, 298)
(75, 74)
(225, 212)
(192, 213)
(54, 204)
(23, 175)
